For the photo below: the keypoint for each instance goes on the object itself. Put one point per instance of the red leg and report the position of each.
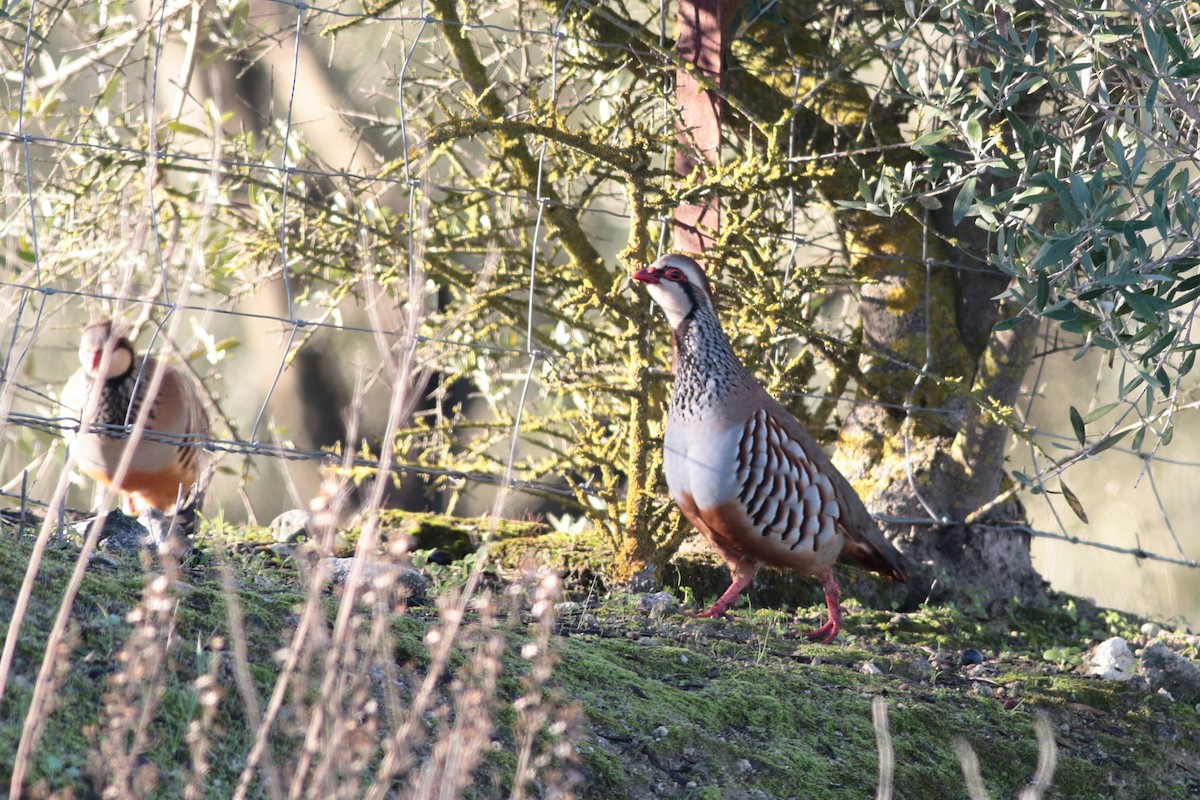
(829, 631)
(742, 575)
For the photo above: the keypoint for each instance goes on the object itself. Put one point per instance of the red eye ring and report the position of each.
(674, 274)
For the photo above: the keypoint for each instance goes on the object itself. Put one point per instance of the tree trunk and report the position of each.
(944, 458)
(917, 445)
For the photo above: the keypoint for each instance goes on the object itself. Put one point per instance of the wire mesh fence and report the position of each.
(289, 194)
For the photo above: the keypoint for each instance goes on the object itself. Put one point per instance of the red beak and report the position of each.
(646, 275)
(97, 356)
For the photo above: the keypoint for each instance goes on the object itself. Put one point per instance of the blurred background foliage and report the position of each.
(303, 190)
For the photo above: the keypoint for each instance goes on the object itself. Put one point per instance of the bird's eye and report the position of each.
(675, 274)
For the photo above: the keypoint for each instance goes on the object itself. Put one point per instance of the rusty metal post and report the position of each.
(701, 45)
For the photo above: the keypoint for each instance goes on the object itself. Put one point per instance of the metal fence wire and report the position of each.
(263, 180)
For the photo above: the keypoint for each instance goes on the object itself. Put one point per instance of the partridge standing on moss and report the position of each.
(743, 470)
(166, 461)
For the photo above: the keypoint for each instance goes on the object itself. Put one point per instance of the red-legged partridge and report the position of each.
(166, 461)
(743, 470)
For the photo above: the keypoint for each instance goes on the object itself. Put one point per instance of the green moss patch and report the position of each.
(670, 707)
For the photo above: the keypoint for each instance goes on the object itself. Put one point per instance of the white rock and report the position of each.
(1110, 660)
(291, 525)
(381, 574)
(870, 668)
(1151, 629)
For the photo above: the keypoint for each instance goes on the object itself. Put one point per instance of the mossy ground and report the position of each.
(672, 707)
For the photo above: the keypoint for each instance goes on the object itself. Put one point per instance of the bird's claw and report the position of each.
(712, 613)
(824, 634)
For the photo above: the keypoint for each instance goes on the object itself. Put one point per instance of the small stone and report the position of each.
(568, 608)
(691, 785)
(976, 670)
(983, 690)
(744, 765)
(920, 669)
(1010, 704)
(1110, 660)
(291, 526)
(121, 533)
(662, 732)
(870, 668)
(941, 660)
(969, 657)
(409, 578)
(657, 604)
(443, 558)
(1166, 669)
(1162, 690)
(683, 659)
(1151, 629)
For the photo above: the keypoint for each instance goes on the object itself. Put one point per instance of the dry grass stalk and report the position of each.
(883, 742)
(243, 678)
(466, 717)
(135, 693)
(208, 695)
(1043, 776)
(1047, 760)
(976, 790)
(537, 711)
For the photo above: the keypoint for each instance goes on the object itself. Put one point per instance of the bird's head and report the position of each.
(678, 284)
(99, 336)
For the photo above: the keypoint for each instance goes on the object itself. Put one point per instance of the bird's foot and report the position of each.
(165, 533)
(824, 634)
(829, 631)
(716, 611)
(156, 524)
(741, 577)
